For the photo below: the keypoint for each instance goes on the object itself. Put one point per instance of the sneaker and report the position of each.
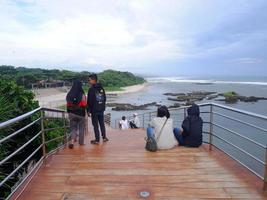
(105, 139)
(94, 142)
(71, 146)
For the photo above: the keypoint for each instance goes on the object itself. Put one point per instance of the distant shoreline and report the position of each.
(55, 97)
(129, 89)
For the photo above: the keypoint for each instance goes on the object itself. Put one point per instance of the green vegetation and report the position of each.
(112, 80)
(15, 101)
(230, 97)
(229, 94)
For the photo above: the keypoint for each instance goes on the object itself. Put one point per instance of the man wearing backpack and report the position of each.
(96, 101)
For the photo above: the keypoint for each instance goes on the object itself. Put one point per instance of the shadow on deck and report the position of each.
(121, 169)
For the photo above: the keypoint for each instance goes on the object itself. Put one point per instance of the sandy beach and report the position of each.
(55, 97)
(129, 89)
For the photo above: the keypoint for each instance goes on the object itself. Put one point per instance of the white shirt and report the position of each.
(124, 124)
(166, 139)
(136, 121)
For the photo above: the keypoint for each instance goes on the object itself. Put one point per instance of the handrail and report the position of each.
(19, 149)
(243, 137)
(240, 121)
(19, 118)
(19, 131)
(240, 111)
(42, 145)
(211, 133)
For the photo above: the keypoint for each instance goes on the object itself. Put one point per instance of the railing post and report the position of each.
(184, 113)
(211, 127)
(65, 128)
(265, 171)
(143, 121)
(43, 134)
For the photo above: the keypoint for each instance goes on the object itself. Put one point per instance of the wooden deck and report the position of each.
(121, 169)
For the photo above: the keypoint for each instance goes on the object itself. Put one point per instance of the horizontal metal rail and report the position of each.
(240, 121)
(52, 129)
(231, 156)
(32, 173)
(19, 131)
(241, 136)
(54, 110)
(259, 116)
(19, 118)
(18, 167)
(54, 139)
(19, 149)
(242, 150)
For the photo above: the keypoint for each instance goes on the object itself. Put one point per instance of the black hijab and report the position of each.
(76, 93)
(163, 112)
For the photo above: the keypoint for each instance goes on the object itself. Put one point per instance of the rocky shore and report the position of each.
(185, 99)
(228, 97)
(128, 107)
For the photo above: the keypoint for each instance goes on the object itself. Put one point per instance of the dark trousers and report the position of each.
(132, 125)
(98, 120)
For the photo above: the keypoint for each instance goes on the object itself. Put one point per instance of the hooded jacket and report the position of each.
(192, 127)
(96, 99)
(76, 100)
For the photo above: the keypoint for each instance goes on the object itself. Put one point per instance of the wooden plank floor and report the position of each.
(121, 169)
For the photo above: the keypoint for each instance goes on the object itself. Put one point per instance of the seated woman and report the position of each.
(191, 133)
(162, 128)
(135, 122)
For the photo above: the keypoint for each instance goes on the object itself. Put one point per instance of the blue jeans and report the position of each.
(178, 136)
(149, 132)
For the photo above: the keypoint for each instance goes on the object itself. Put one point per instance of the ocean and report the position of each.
(157, 86)
(246, 86)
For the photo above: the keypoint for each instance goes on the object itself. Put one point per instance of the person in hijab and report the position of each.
(191, 133)
(76, 108)
(161, 127)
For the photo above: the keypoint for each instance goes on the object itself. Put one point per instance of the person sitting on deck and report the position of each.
(191, 133)
(123, 124)
(135, 123)
(162, 128)
(76, 106)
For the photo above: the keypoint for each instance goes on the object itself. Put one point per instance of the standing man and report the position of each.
(96, 102)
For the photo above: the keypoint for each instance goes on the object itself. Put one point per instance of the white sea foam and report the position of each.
(200, 81)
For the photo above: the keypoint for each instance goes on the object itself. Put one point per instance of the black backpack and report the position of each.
(100, 100)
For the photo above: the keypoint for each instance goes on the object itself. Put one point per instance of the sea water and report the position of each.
(247, 86)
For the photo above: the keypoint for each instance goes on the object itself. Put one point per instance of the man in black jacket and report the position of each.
(191, 133)
(96, 101)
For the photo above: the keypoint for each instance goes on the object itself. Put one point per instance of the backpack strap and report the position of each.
(157, 139)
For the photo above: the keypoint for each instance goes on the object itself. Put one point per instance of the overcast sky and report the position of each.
(160, 37)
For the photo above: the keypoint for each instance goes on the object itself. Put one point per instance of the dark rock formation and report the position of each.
(128, 107)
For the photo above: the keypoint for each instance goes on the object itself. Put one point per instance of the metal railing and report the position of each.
(242, 135)
(42, 114)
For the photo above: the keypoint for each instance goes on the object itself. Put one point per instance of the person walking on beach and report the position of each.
(76, 106)
(96, 106)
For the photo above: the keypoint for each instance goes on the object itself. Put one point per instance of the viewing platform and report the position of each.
(223, 167)
(122, 168)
